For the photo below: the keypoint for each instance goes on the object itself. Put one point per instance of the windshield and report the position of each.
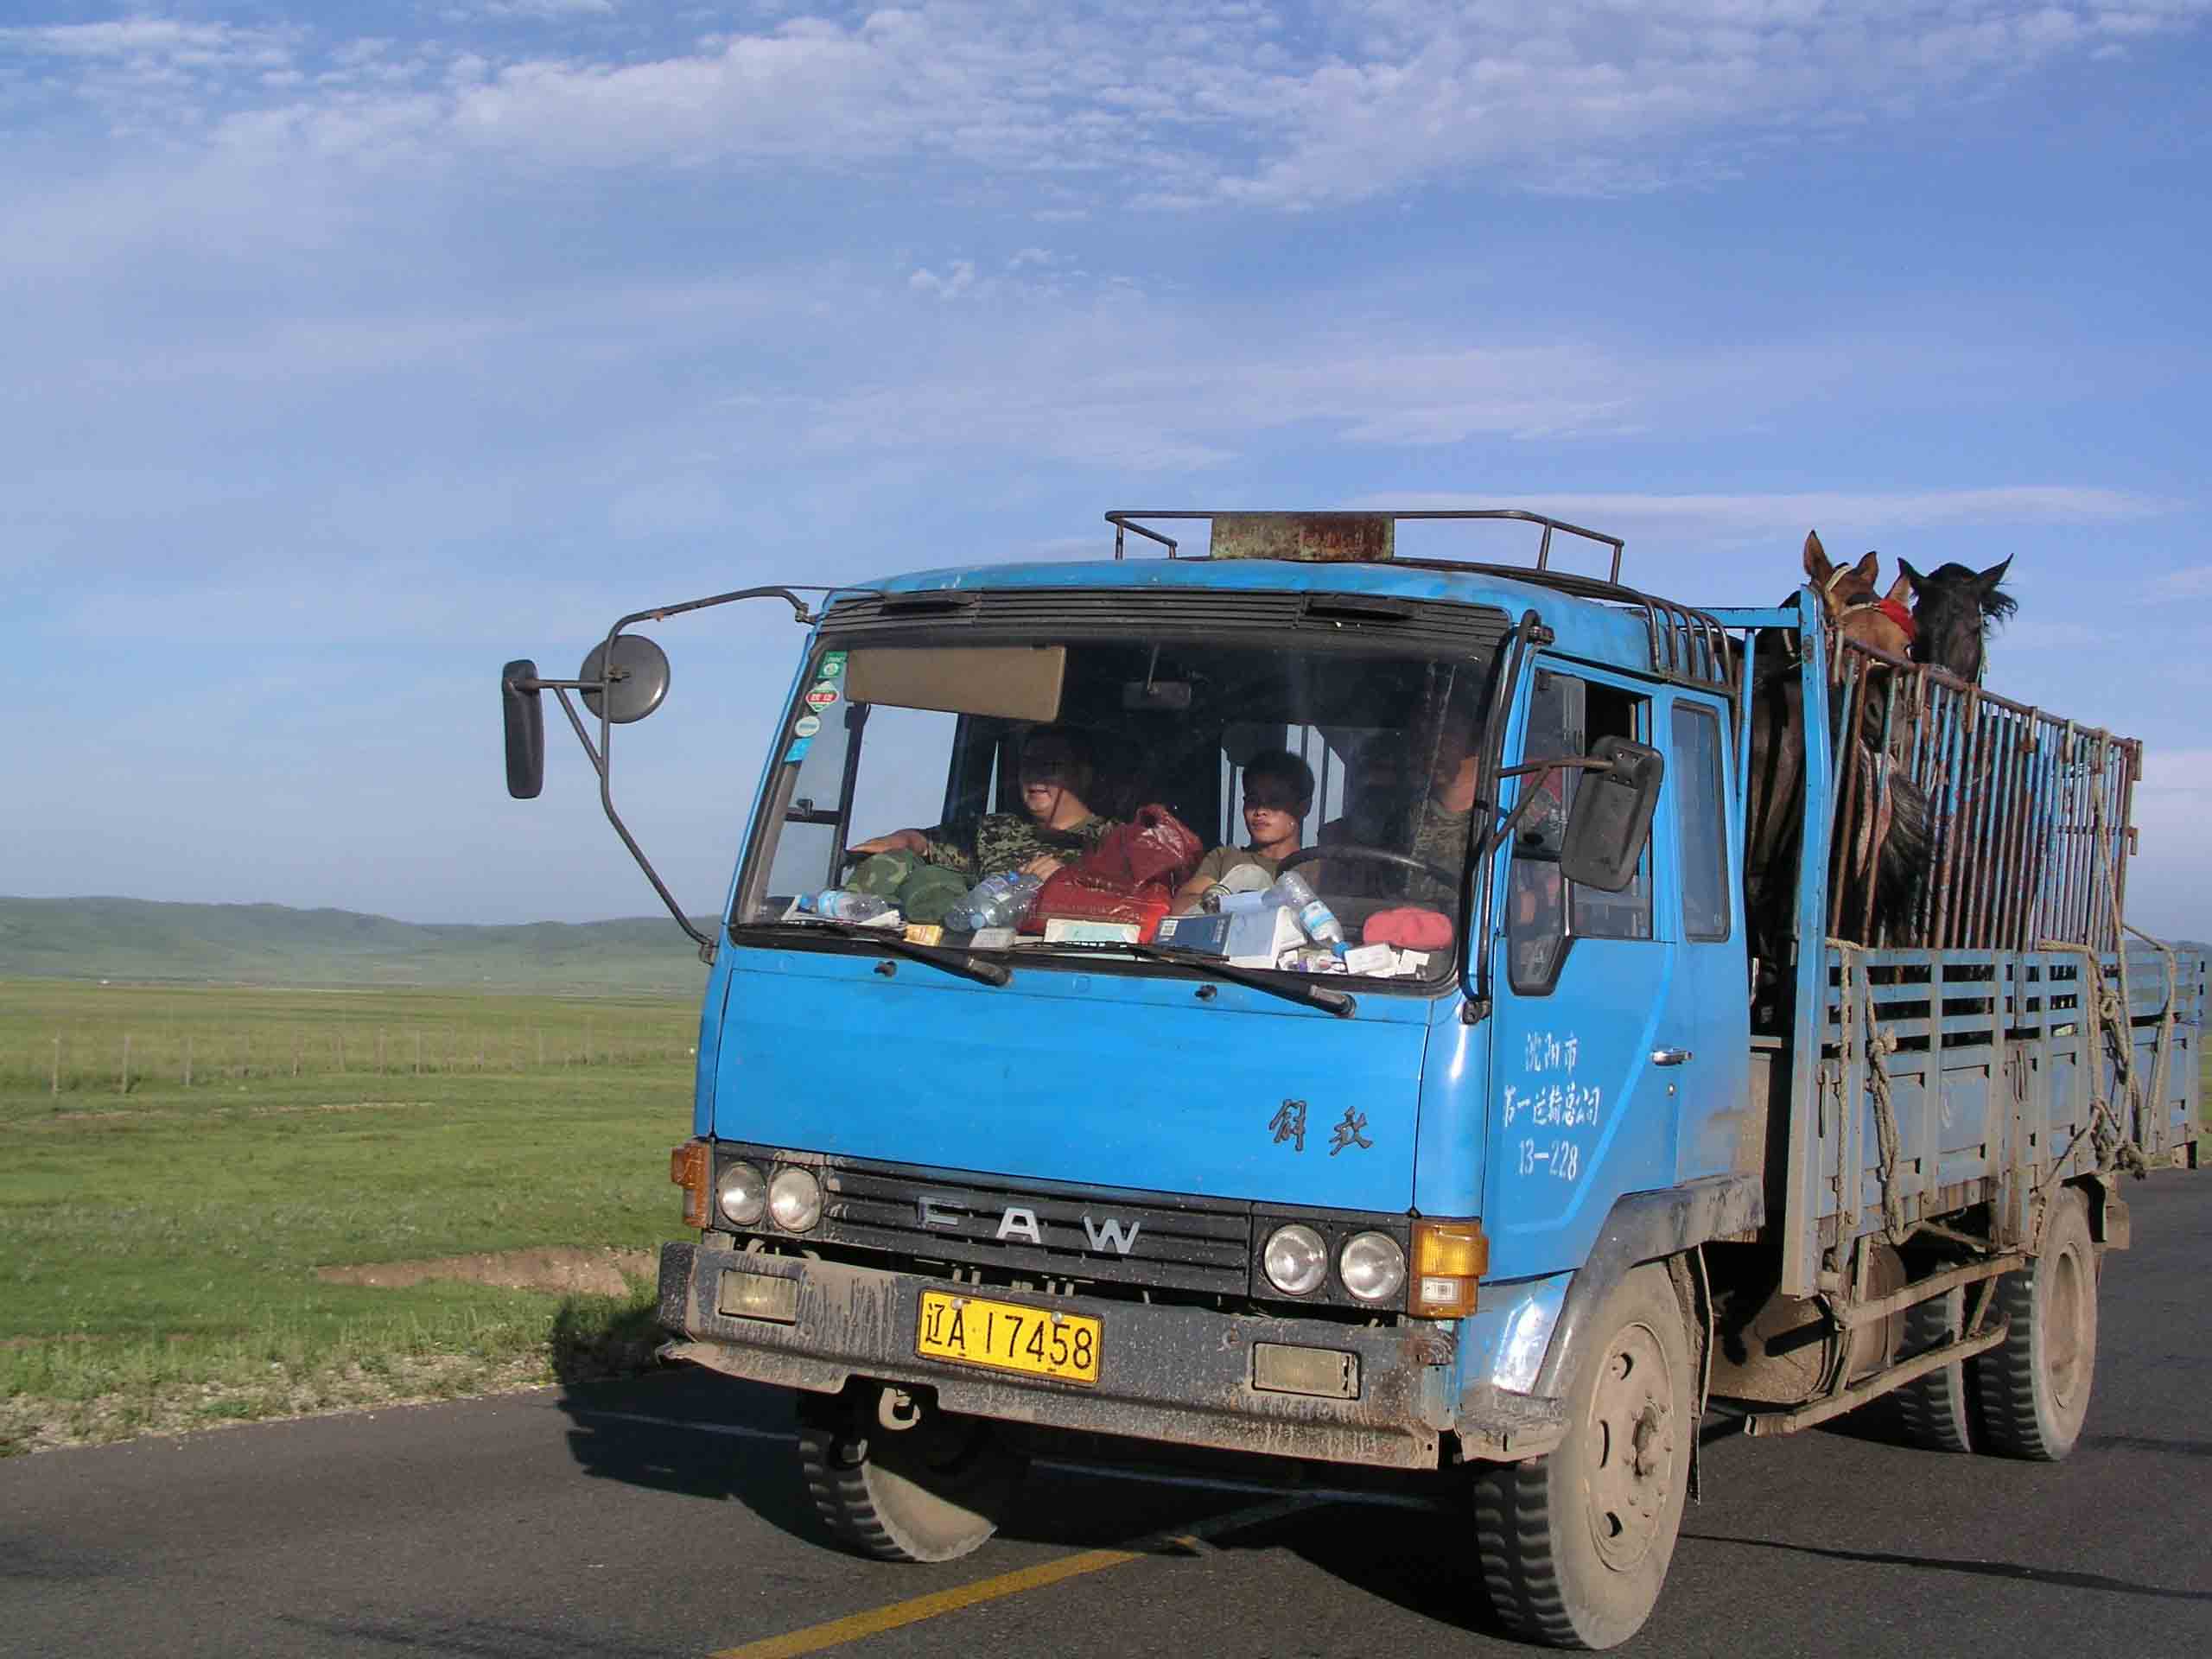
(1149, 792)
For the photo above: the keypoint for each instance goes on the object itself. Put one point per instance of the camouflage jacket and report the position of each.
(998, 843)
(1441, 840)
(1438, 838)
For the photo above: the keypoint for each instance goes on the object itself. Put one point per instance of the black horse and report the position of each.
(1953, 609)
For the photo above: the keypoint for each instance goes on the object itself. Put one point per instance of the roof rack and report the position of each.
(1687, 644)
(1340, 528)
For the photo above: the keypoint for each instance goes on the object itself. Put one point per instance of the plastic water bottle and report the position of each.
(1244, 888)
(842, 904)
(1317, 918)
(995, 901)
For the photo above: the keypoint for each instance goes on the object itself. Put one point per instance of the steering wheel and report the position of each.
(1360, 853)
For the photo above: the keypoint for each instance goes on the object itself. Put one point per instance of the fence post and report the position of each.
(418, 1053)
(57, 1063)
(126, 1063)
(187, 1061)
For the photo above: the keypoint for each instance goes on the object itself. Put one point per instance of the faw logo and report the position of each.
(1110, 1234)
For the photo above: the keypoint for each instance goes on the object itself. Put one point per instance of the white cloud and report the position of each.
(2194, 582)
(1600, 97)
(959, 279)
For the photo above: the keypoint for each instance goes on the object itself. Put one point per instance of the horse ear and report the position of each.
(1868, 568)
(1995, 574)
(1912, 577)
(1900, 590)
(1816, 557)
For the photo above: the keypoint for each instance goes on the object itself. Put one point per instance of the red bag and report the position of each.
(1130, 876)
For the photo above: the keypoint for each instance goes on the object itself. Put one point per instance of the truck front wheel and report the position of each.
(1575, 1545)
(2034, 1386)
(901, 1481)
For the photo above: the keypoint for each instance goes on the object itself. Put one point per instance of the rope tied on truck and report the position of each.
(2110, 1014)
(1880, 1044)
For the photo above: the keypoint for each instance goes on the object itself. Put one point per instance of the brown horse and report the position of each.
(1889, 830)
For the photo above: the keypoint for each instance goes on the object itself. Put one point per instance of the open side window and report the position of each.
(1544, 913)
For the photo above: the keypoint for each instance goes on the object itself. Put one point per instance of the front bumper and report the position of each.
(1179, 1374)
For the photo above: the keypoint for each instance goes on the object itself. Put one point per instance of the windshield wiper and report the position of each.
(1340, 1004)
(952, 961)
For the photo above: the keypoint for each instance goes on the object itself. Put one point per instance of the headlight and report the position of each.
(795, 1199)
(1373, 1267)
(741, 1194)
(1296, 1261)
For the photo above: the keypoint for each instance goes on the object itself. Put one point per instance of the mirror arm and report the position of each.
(598, 762)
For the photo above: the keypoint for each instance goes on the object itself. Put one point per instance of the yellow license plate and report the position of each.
(1034, 1341)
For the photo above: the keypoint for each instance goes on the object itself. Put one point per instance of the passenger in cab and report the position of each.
(1278, 794)
(1058, 770)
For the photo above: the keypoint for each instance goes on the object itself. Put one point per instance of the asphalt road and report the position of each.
(664, 1517)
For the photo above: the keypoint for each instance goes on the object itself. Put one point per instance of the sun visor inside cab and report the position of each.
(1008, 682)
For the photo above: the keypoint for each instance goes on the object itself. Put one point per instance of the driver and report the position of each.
(1278, 794)
(1433, 829)
(1058, 768)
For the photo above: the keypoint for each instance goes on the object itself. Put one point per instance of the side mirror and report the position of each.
(635, 673)
(524, 717)
(1611, 820)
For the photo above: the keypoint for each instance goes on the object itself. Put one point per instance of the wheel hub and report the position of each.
(1633, 1432)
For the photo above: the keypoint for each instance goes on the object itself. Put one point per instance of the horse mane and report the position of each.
(1997, 605)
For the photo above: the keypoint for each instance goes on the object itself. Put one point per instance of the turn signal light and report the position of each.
(691, 1167)
(1450, 1258)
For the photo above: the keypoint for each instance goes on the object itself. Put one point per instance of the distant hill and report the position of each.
(275, 944)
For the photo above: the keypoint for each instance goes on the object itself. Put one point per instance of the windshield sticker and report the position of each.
(833, 664)
(797, 750)
(1289, 1124)
(824, 693)
(806, 726)
(1347, 1133)
(1551, 1099)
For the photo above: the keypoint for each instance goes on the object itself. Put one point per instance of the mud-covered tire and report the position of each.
(933, 1492)
(1936, 1410)
(2033, 1388)
(1575, 1545)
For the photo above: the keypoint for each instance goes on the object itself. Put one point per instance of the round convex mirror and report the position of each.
(639, 672)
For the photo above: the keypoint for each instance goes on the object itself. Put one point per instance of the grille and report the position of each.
(1032, 613)
(1177, 1244)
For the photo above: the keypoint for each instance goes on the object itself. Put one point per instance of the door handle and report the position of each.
(1669, 1056)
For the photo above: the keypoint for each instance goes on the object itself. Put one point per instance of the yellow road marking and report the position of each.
(856, 1626)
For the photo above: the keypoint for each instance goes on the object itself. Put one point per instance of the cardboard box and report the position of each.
(1074, 930)
(1208, 934)
(1258, 937)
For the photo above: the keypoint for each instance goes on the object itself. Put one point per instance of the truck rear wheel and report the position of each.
(2034, 1386)
(932, 1491)
(1936, 1409)
(1575, 1545)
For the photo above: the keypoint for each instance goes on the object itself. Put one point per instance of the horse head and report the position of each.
(1953, 607)
(1855, 607)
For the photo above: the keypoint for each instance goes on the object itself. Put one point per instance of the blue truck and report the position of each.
(1519, 1190)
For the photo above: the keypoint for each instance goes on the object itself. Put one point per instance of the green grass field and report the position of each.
(159, 1247)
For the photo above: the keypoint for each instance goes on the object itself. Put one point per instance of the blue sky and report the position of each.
(351, 350)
